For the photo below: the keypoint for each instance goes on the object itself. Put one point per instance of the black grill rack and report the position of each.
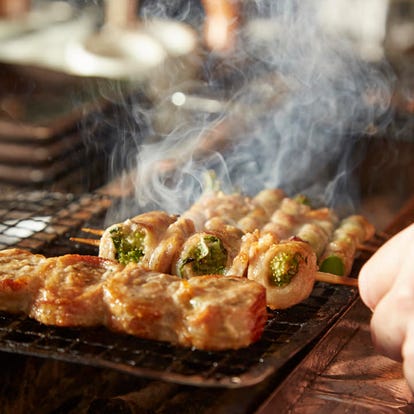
(58, 216)
(41, 221)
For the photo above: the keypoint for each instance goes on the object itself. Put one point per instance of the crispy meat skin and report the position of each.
(225, 311)
(19, 279)
(206, 312)
(72, 291)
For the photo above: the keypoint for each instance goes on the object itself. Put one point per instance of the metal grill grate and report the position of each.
(43, 222)
(35, 220)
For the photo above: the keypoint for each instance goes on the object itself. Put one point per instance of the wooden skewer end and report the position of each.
(335, 279)
(97, 232)
(90, 242)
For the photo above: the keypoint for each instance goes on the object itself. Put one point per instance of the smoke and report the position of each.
(286, 107)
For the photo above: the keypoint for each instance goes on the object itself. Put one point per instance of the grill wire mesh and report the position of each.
(43, 222)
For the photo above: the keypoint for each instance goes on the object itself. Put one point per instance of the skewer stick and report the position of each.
(335, 279)
(90, 242)
(97, 232)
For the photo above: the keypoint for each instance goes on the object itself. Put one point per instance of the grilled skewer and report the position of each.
(222, 248)
(135, 239)
(339, 253)
(211, 251)
(208, 312)
(320, 276)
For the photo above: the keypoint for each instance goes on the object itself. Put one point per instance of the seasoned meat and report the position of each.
(71, 294)
(229, 207)
(286, 219)
(169, 247)
(339, 254)
(206, 312)
(141, 303)
(19, 279)
(209, 252)
(315, 235)
(264, 205)
(222, 312)
(253, 220)
(135, 239)
(269, 199)
(287, 270)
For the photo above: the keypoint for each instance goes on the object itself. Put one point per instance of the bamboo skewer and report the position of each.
(96, 232)
(90, 242)
(335, 279)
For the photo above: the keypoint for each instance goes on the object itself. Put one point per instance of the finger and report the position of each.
(394, 312)
(408, 355)
(388, 325)
(378, 274)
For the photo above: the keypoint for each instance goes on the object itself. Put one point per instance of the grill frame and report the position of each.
(287, 332)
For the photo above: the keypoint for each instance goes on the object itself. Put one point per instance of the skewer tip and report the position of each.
(335, 279)
(97, 232)
(90, 242)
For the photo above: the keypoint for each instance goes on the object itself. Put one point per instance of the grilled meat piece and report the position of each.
(229, 207)
(339, 254)
(71, 294)
(286, 219)
(287, 270)
(135, 239)
(269, 199)
(19, 279)
(209, 252)
(206, 312)
(170, 245)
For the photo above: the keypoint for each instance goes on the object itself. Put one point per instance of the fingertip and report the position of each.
(365, 289)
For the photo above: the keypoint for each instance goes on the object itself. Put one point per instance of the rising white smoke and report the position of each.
(290, 103)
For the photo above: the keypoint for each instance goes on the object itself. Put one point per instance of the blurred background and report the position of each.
(315, 97)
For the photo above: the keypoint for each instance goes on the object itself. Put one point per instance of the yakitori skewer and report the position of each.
(242, 236)
(237, 267)
(339, 254)
(83, 240)
(208, 312)
(96, 232)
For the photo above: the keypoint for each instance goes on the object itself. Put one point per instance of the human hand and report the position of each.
(386, 284)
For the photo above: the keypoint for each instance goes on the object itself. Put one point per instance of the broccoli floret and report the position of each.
(208, 257)
(283, 268)
(129, 247)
